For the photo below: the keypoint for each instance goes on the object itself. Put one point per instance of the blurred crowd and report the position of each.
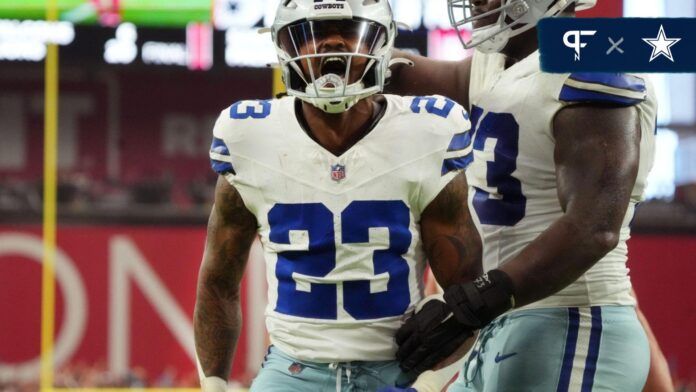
(78, 192)
(149, 198)
(97, 376)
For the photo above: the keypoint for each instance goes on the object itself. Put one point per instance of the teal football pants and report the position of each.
(559, 350)
(282, 373)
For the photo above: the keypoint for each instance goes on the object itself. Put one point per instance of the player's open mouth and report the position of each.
(333, 65)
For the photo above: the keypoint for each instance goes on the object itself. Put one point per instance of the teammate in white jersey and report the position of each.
(349, 192)
(560, 163)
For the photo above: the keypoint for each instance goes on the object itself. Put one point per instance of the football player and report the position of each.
(560, 162)
(349, 192)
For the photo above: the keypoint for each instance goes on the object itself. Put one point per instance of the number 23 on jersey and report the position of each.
(318, 259)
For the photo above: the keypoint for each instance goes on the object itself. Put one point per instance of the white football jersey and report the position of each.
(341, 234)
(514, 194)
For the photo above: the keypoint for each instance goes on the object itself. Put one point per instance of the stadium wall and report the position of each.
(126, 297)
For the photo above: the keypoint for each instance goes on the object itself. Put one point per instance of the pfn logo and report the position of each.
(573, 40)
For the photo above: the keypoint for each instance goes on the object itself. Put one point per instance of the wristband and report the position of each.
(477, 303)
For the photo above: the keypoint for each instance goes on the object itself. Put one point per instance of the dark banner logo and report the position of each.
(661, 45)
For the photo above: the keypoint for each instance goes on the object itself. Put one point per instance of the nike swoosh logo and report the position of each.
(499, 358)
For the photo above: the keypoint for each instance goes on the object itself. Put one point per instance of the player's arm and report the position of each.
(450, 239)
(597, 155)
(217, 316)
(429, 77)
(453, 247)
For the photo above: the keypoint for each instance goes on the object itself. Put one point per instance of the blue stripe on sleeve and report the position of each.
(221, 167)
(219, 147)
(593, 351)
(572, 94)
(569, 354)
(457, 163)
(460, 141)
(616, 80)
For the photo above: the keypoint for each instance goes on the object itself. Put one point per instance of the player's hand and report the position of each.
(396, 389)
(429, 336)
(440, 328)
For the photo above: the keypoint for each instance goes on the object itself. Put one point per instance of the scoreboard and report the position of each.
(198, 34)
(111, 12)
(178, 13)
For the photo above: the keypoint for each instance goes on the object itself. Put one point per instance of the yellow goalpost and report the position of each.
(49, 206)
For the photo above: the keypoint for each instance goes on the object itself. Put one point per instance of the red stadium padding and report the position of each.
(90, 262)
(139, 289)
(663, 270)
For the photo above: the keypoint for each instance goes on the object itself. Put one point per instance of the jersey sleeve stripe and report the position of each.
(460, 141)
(459, 163)
(219, 147)
(614, 80)
(221, 167)
(605, 89)
(220, 159)
(572, 94)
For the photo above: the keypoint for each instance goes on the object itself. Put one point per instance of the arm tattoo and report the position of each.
(450, 239)
(217, 316)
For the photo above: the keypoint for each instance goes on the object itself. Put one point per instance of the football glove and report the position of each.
(440, 328)
(429, 336)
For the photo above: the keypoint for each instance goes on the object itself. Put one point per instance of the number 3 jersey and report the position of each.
(341, 235)
(514, 197)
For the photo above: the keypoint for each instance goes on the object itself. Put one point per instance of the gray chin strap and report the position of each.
(494, 43)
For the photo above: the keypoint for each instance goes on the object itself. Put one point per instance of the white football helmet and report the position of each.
(333, 53)
(514, 18)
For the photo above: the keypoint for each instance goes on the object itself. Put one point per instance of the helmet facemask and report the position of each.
(333, 64)
(514, 17)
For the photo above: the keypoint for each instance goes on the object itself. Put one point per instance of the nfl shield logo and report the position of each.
(338, 172)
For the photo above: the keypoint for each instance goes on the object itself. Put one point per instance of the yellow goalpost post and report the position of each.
(49, 206)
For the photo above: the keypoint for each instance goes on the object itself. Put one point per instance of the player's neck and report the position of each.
(339, 132)
(520, 47)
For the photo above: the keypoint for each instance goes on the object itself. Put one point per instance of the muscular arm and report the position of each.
(450, 239)
(453, 248)
(597, 155)
(217, 316)
(428, 76)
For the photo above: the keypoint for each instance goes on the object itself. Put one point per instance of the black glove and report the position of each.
(429, 336)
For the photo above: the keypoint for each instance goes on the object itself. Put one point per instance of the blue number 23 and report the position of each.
(318, 258)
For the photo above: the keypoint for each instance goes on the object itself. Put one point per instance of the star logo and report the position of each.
(661, 45)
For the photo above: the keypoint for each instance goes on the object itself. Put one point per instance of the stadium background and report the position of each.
(137, 103)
